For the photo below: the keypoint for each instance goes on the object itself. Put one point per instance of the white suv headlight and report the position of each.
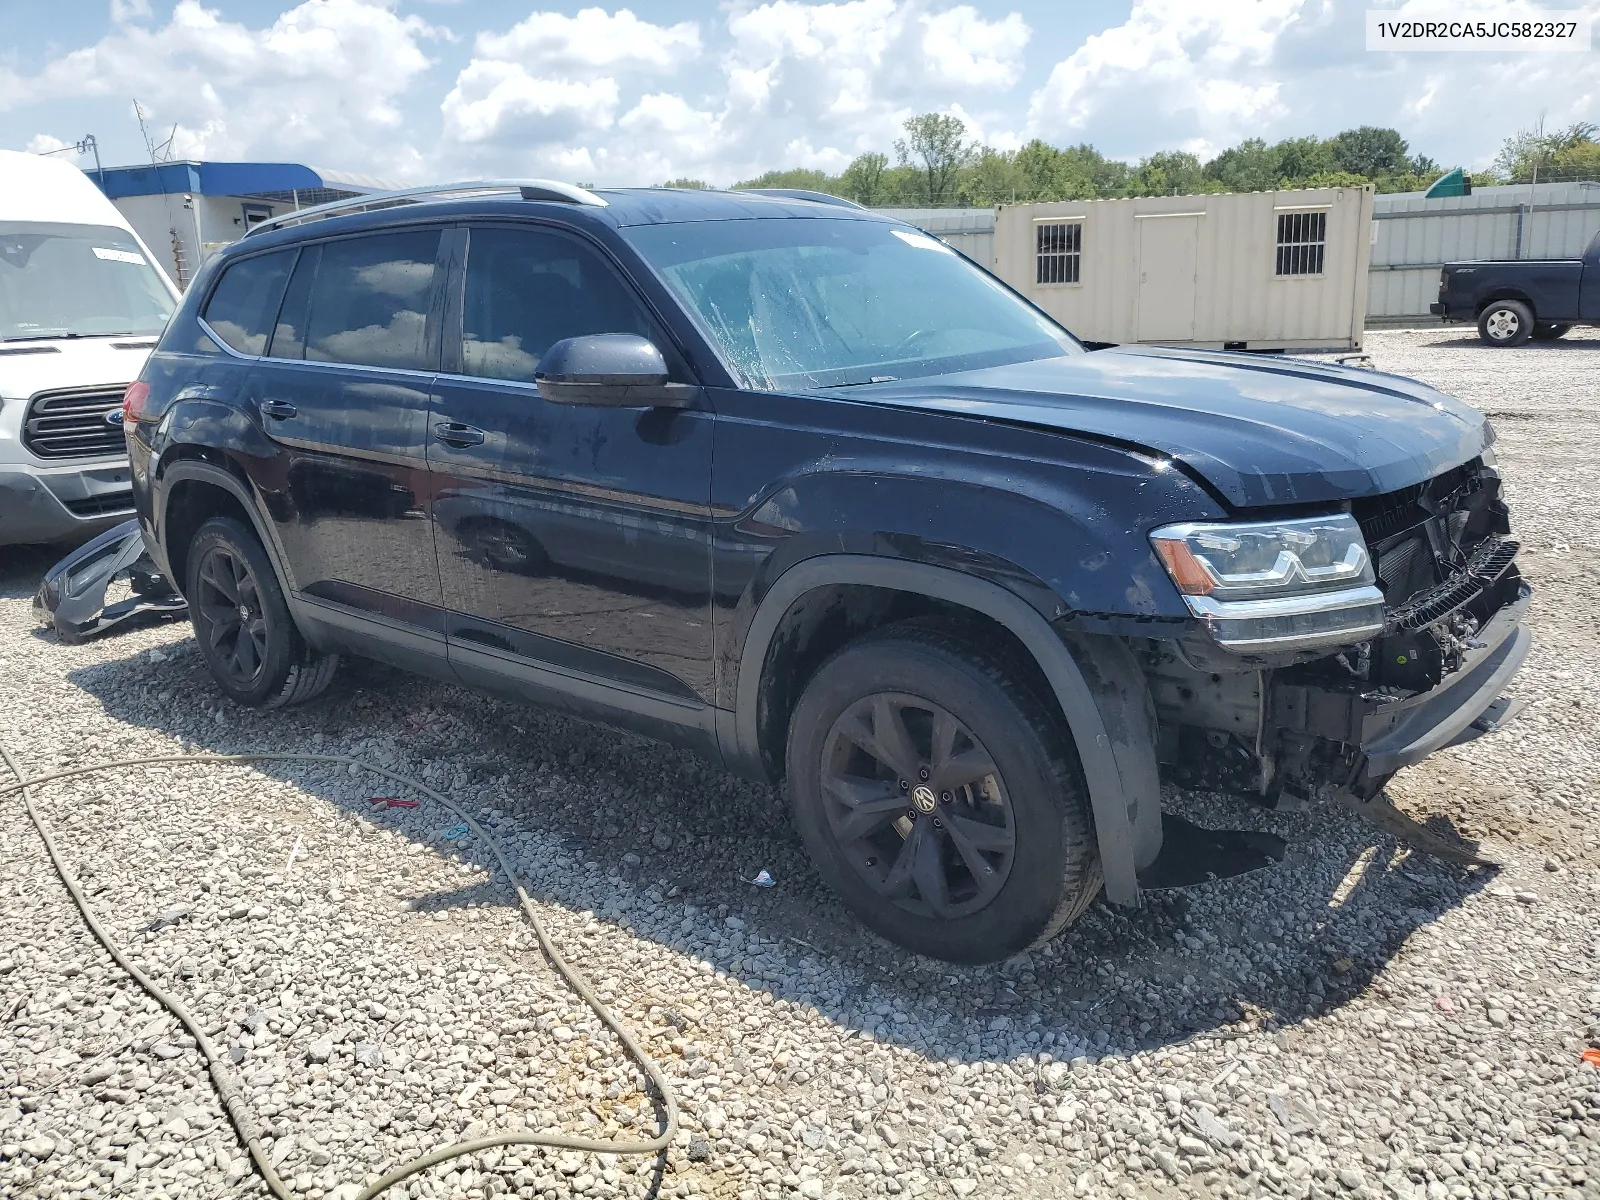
(1275, 585)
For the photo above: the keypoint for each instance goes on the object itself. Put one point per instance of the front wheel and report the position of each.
(241, 621)
(940, 798)
(1506, 323)
(1549, 331)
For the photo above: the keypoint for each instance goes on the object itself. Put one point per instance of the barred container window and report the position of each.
(1302, 237)
(1059, 251)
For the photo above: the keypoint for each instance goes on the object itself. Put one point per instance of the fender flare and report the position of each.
(208, 472)
(1096, 681)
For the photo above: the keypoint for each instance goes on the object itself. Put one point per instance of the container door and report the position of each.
(1167, 253)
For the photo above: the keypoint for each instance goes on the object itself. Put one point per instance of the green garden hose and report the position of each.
(222, 1077)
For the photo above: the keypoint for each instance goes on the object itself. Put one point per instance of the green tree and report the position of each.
(795, 177)
(698, 185)
(1537, 154)
(991, 177)
(936, 141)
(1170, 173)
(1370, 151)
(1251, 166)
(862, 180)
(1300, 159)
(1324, 179)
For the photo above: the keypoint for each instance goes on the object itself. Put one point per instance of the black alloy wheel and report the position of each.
(917, 805)
(939, 794)
(247, 638)
(229, 615)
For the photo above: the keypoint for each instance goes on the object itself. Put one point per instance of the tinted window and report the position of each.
(245, 301)
(369, 303)
(527, 289)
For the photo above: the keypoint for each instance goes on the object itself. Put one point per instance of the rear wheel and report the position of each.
(1549, 331)
(940, 798)
(242, 624)
(1506, 323)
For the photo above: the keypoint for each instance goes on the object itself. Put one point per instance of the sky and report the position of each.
(421, 90)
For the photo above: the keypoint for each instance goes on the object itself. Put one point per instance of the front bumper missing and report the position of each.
(1391, 732)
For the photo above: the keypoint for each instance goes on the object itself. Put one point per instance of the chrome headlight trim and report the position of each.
(1292, 622)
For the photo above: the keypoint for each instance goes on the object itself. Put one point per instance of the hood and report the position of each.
(1261, 431)
(29, 367)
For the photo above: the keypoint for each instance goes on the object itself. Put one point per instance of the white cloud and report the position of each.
(322, 82)
(503, 102)
(964, 48)
(603, 94)
(1187, 70)
(45, 143)
(794, 84)
(592, 41)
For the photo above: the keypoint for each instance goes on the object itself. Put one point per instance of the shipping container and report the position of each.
(1246, 271)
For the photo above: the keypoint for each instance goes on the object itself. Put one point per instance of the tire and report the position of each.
(234, 594)
(1505, 323)
(502, 546)
(1548, 331)
(1026, 822)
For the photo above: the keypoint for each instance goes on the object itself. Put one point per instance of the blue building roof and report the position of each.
(230, 179)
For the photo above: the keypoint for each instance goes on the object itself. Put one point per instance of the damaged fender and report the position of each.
(72, 597)
(1096, 682)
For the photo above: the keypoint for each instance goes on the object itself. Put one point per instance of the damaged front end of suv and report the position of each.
(1328, 652)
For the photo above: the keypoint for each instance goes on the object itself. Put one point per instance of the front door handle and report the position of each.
(454, 433)
(278, 410)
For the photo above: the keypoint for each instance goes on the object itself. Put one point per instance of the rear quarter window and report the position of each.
(368, 303)
(244, 304)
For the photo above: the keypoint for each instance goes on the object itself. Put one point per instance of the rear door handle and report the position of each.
(454, 433)
(278, 410)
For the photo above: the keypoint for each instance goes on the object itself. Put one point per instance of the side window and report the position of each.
(527, 289)
(369, 302)
(244, 303)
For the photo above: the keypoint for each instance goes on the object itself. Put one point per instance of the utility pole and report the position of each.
(87, 145)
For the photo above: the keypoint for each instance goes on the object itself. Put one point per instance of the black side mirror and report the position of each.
(619, 370)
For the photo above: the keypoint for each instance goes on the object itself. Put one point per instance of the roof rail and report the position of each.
(801, 194)
(529, 189)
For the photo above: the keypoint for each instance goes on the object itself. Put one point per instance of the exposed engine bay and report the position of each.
(1343, 723)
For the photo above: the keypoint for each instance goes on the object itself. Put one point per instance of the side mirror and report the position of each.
(618, 370)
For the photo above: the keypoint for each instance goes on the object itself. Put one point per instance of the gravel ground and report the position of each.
(1356, 1021)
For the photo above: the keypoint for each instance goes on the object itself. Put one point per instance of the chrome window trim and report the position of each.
(407, 372)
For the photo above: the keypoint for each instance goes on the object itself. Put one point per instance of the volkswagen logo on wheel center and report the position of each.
(922, 796)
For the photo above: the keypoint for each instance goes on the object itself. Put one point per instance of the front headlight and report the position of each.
(1275, 585)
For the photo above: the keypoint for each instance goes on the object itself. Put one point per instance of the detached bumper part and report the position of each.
(1407, 731)
(72, 597)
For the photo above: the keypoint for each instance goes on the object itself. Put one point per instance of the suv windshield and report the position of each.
(76, 281)
(808, 303)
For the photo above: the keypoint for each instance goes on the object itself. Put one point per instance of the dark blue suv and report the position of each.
(800, 487)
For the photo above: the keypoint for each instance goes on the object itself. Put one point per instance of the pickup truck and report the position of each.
(1513, 300)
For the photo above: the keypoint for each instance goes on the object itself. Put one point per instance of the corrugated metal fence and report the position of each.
(969, 230)
(1414, 237)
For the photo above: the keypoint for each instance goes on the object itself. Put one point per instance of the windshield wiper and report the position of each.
(50, 337)
(859, 382)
